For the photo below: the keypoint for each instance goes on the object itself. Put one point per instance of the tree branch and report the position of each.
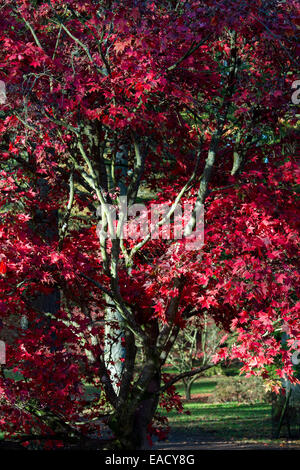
(190, 373)
(191, 50)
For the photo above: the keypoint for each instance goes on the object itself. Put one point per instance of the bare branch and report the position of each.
(100, 286)
(190, 373)
(68, 211)
(30, 29)
(191, 50)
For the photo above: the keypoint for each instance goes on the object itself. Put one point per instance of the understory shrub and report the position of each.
(213, 371)
(240, 389)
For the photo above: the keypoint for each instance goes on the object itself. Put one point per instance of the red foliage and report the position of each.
(137, 79)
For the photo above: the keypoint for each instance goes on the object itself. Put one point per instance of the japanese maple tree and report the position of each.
(165, 102)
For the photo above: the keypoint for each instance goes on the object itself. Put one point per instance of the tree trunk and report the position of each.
(131, 426)
(187, 389)
(114, 351)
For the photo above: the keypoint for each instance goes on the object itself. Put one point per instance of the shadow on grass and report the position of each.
(224, 421)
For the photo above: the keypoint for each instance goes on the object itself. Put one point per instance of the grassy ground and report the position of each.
(203, 386)
(223, 421)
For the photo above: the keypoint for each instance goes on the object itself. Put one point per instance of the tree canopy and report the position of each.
(159, 102)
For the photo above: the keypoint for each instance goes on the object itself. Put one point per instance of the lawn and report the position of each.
(203, 386)
(230, 421)
(224, 421)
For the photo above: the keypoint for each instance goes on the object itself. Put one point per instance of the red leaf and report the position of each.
(3, 268)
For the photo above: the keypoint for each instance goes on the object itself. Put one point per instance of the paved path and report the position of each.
(201, 441)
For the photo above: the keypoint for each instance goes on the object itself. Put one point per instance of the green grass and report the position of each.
(225, 421)
(203, 385)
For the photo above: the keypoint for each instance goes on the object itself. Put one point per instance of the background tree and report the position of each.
(195, 347)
